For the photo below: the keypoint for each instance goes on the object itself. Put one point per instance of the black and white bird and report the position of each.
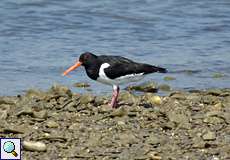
(113, 70)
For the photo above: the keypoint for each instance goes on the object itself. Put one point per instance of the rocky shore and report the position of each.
(58, 124)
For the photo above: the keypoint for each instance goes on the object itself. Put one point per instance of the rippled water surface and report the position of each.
(41, 38)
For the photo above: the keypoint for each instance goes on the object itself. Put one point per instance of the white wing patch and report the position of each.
(120, 80)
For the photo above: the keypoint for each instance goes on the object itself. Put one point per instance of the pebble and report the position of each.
(218, 75)
(14, 130)
(145, 87)
(153, 140)
(168, 78)
(178, 95)
(41, 114)
(209, 136)
(24, 111)
(152, 99)
(164, 87)
(156, 100)
(3, 115)
(87, 98)
(52, 124)
(34, 146)
(81, 85)
(60, 90)
(119, 112)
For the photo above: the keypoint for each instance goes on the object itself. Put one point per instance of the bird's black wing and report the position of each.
(120, 66)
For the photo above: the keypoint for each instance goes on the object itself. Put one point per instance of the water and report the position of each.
(39, 39)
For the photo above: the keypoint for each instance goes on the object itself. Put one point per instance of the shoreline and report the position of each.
(181, 125)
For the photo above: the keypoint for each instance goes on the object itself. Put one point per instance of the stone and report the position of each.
(209, 136)
(52, 124)
(153, 140)
(152, 99)
(145, 87)
(128, 98)
(43, 114)
(24, 111)
(34, 93)
(168, 78)
(86, 98)
(99, 100)
(120, 112)
(164, 87)
(154, 156)
(60, 90)
(34, 146)
(81, 85)
(218, 75)
(3, 115)
(178, 95)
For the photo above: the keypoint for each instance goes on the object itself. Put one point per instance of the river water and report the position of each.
(39, 39)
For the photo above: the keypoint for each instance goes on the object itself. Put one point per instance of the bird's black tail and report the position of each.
(160, 69)
(151, 69)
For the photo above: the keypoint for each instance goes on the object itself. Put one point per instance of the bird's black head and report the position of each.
(87, 59)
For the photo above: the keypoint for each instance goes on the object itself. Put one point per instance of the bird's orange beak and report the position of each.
(75, 66)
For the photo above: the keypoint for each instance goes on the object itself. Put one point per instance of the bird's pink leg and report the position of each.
(116, 90)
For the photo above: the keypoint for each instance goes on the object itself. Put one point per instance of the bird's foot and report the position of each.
(113, 104)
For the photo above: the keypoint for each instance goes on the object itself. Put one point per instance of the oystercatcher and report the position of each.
(113, 70)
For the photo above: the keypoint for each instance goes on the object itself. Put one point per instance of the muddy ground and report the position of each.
(59, 124)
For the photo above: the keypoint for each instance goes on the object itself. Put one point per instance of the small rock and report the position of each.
(15, 130)
(25, 111)
(119, 112)
(128, 98)
(155, 100)
(60, 90)
(168, 78)
(214, 113)
(8, 100)
(154, 156)
(34, 93)
(153, 140)
(74, 126)
(164, 87)
(52, 124)
(209, 136)
(178, 95)
(218, 75)
(99, 100)
(34, 146)
(217, 107)
(190, 72)
(198, 143)
(105, 109)
(145, 87)
(81, 85)
(214, 91)
(213, 120)
(127, 138)
(86, 98)
(179, 118)
(209, 99)
(121, 123)
(3, 115)
(152, 99)
(41, 114)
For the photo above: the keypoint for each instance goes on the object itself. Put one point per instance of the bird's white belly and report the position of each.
(117, 81)
(121, 80)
